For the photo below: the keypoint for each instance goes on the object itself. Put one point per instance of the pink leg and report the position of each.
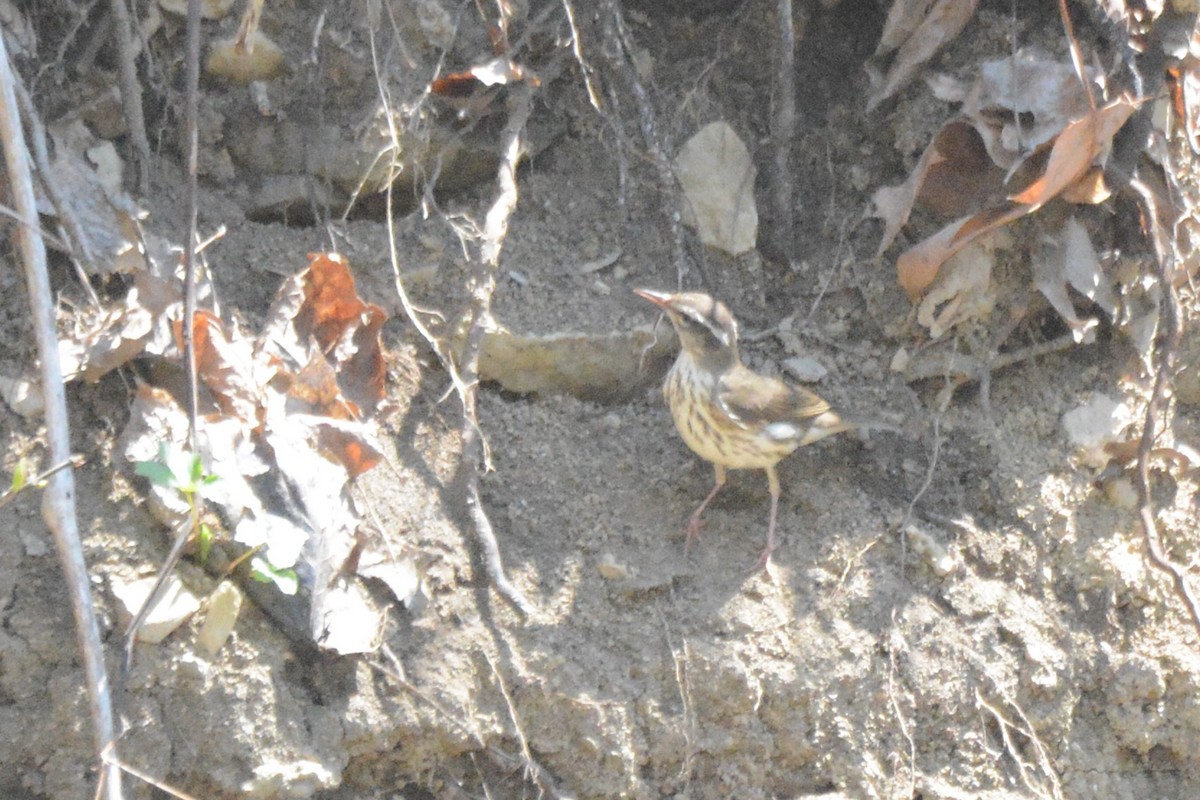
(694, 522)
(764, 560)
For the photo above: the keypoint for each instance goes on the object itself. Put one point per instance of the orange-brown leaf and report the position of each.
(1075, 150)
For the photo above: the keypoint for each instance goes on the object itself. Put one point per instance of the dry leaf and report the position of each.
(322, 304)
(962, 291)
(1075, 149)
(917, 267)
(1019, 103)
(915, 30)
(225, 363)
(952, 178)
(293, 401)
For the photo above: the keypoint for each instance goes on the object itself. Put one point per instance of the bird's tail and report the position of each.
(825, 424)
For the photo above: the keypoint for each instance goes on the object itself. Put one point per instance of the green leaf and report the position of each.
(205, 540)
(265, 572)
(19, 478)
(157, 472)
(197, 471)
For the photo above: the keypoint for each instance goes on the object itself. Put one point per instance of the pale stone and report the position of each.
(1095, 424)
(175, 607)
(223, 608)
(717, 176)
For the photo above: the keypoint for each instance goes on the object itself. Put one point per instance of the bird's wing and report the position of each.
(756, 401)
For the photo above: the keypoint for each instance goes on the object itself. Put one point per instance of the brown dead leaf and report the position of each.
(954, 176)
(292, 402)
(914, 32)
(1069, 160)
(917, 267)
(321, 304)
(137, 324)
(225, 363)
(961, 177)
(1075, 150)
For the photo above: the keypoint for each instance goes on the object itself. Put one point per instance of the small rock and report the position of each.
(34, 542)
(1120, 493)
(174, 608)
(717, 176)
(805, 369)
(23, 396)
(1095, 424)
(924, 545)
(223, 608)
(610, 570)
(257, 59)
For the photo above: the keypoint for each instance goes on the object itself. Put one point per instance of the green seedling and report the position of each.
(19, 478)
(265, 572)
(183, 472)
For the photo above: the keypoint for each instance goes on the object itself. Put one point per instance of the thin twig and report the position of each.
(929, 473)
(191, 124)
(58, 502)
(534, 771)
(183, 534)
(784, 130)
(1169, 315)
(495, 229)
(1027, 770)
(896, 637)
(502, 759)
(147, 778)
(577, 50)
(131, 90)
(623, 60)
(464, 372)
(36, 481)
(80, 242)
(184, 531)
(967, 368)
(685, 698)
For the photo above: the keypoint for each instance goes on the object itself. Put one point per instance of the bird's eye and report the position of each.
(701, 330)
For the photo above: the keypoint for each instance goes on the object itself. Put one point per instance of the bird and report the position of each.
(725, 412)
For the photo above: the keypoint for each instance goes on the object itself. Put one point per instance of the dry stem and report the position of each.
(58, 503)
(1169, 317)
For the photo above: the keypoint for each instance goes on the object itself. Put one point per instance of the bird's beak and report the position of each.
(660, 299)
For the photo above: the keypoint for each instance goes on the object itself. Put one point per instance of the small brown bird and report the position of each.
(728, 414)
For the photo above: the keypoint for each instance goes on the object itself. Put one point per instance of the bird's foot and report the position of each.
(764, 563)
(693, 532)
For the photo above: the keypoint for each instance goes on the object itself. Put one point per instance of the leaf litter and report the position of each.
(287, 422)
(1029, 132)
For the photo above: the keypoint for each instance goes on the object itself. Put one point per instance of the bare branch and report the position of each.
(58, 503)
(1169, 315)
(131, 90)
(484, 285)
